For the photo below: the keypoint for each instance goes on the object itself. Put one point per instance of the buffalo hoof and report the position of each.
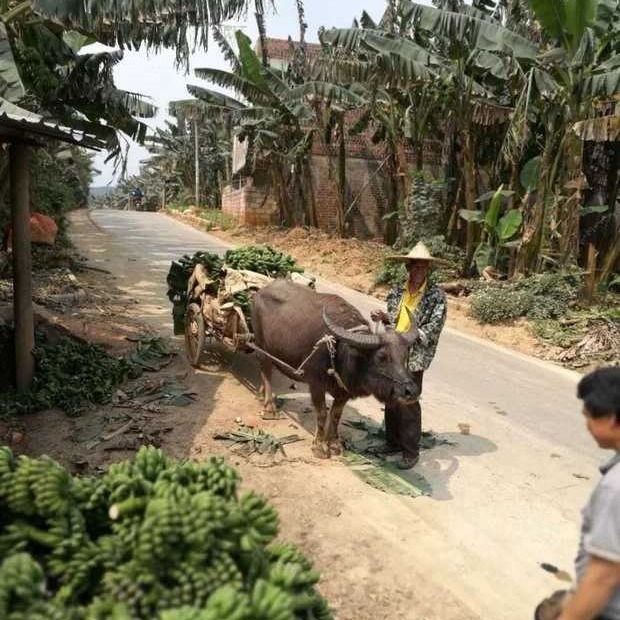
(321, 450)
(336, 448)
(271, 413)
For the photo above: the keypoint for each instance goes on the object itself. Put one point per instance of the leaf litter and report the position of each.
(367, 459)
(247, 441)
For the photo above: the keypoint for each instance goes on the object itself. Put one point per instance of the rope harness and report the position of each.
(330, 343)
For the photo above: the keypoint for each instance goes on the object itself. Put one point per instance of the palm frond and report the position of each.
(11, 87)
(227, 51)
(324, 91)
(213, 97)
(156, 24)
(482, 34)
(241, 85)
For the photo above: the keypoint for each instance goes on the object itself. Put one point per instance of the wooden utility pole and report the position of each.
(196, 163)
(22, 267)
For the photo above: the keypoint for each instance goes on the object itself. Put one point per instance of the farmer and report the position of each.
(427, 303)
(597, 596)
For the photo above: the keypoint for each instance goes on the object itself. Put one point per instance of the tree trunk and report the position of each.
(590, 280)
(419, 156)
(452, 178)
(390, 230)
(262, 32)
(281, 186)
(569, 209)
(342, 179)
(196, 165)
(469, 173)
(514, 184)
(309, 197)
(534, 215)
(454, 215)
(403, 170)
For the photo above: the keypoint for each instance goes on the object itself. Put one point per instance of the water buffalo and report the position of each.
(289, 319)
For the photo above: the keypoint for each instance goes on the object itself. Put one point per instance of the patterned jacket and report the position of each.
(430, 316)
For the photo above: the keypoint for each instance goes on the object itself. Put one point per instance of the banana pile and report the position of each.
(178, 276)
(152, 538)
(262, 259)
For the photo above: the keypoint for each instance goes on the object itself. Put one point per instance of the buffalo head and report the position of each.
(382, 370)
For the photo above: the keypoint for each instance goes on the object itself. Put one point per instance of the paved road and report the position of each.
(504, 498)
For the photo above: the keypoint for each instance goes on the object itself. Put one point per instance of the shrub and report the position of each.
(69, 374)
(422, 219)
(540, 297)
(390, 273)
(498, 305)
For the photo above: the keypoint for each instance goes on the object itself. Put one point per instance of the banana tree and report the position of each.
(278, 117)
(498, 231)
(42, 68)
(157, 24)
(449, 64)
(579, 68)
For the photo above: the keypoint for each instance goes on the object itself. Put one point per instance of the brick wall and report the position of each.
(369, 187)
(366, 185)
(250, 206)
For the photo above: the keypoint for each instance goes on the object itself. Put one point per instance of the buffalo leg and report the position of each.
(320, 449)
(266, 372)
(334, 443)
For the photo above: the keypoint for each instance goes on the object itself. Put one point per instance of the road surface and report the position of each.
(505, 498)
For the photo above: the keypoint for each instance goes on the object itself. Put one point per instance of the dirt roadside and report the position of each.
(354, 263)
(355, 535)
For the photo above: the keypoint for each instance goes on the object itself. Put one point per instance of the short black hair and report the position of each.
(600, 392)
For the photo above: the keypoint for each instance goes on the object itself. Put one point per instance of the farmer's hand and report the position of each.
(378, 316)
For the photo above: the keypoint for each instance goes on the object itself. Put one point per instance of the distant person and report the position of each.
(137, 195)
(597, 594)
(427, 303)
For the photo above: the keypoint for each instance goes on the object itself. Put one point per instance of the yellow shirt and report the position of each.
(409, 302)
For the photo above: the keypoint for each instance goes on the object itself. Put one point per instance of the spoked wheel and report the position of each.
(194, 334)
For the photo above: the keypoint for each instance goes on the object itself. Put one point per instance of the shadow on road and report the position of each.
(439, 464)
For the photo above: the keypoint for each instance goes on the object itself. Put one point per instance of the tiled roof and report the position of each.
(280, 49)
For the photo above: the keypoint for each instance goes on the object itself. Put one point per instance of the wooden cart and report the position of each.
(213, 314)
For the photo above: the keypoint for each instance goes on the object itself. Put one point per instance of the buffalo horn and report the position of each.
(357, 340)
(412, 335)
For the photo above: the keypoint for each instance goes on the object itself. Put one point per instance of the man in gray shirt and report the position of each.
(597, 596)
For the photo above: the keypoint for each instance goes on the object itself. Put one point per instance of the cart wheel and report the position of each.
(194, 334)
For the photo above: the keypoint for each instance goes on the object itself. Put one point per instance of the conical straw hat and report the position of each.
(419, 252)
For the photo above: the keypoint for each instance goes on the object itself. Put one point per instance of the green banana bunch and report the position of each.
(219, 478)
(150, 462)
(261, 259)
(22, 582)
(151, 538)
(227, 603)
(271, 603)
(261, 522)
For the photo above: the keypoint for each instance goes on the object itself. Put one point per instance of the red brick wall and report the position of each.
(250, 206)
(370, 190)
